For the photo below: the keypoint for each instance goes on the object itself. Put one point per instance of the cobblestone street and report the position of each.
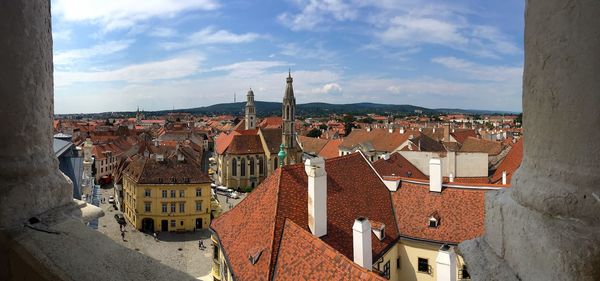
(177, 250)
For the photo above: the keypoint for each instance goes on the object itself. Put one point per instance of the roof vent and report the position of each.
(253, 258)
(434, 220)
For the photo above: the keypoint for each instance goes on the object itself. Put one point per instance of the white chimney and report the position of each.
(434, 130)
(435, 175)
(504, 177)
(391, 130)
(446, 264)
(317, 195)
(361, 240)
(451, 177)
(401, 130)
(385, 156)
(420, 129)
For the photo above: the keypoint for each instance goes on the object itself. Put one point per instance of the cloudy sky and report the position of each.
(116, 55)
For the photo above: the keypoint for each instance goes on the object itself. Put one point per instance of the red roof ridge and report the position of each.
(273, 242)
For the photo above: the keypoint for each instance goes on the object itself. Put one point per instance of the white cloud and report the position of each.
(69, 57)
(62, 34)
(163, 32)
(316, 12)
(175, 68)
(119, 14)
(210, 35)
(329, 88)
(482, 72)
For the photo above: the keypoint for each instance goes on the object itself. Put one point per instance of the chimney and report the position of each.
(434, 130)
(447, 133)
(451, 178)
(391, 130)
(446, 264)
(368, 128)
(401, 130)
(504, 177)
(435, 175)
(156, 142)
(385, 156)
(317, 195)
(361, 240)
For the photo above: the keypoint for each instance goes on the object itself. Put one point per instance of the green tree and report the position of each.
(314, 133)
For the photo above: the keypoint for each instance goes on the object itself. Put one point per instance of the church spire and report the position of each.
(288, 114)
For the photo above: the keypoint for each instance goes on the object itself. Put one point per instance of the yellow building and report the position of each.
(167, 194)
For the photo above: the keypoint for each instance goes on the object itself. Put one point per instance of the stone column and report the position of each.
(547, 226)
(30, 182)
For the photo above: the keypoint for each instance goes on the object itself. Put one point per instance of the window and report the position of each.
(216, 252)
(198, 206)
(172, 207)
(234, 167)
(252, 166)
(386, 270)
(173, 194)
(423, 265)
(173, 224)
(243, 167)
(198, 192)
(147, 207)
(182, 193)
(164, 207)
(147, 193)
(463, 273)
(164, 194)
(181, 223)
(398, 263)
(261, 164)
(433, 222)
(181, 207)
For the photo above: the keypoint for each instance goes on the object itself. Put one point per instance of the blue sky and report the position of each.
(116, 55)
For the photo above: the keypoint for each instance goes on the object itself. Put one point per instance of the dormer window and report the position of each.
(434, 220)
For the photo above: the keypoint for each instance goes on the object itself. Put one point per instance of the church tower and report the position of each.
(250, 111)
(288, 112)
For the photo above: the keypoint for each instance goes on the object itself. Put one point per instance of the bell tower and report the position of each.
(250, 111)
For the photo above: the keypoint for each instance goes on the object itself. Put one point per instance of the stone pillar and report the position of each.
(547, 226)
(30, 182)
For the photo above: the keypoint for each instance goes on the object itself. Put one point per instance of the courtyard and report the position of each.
(177, 250)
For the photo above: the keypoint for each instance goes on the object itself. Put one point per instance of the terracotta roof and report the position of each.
(302, 256)
(331, 149)
(426, 143)
(460, 135)
(510, 164)
(149, 171)
(461, 212)
(380, 139)
(481, 145)
(272, 138)
(223, 141)
(399, 166)
(245, 144)
(311, 145)
(283, 195)
(271, 122)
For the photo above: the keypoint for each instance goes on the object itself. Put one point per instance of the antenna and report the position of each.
(234, 96)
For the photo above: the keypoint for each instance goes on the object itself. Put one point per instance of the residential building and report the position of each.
(166, 194)
(70, 161)
(398, 228)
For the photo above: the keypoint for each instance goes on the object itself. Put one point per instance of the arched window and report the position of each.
(261, 165)
(252, 166)
(234, 167)
(275, 163)
(287, 112)
(243, 167)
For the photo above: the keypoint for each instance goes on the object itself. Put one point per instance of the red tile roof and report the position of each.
(399, 166)
(283, 196)
(461, 212)
(302, 256)
(510, 164)
(245, 144)
(331, 149)
(490, 147)
(311, 145)
(460, 135)
(271, 122)
(381, 139)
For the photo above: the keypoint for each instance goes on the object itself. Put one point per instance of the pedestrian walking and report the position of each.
(123, 235)
(201, 245)
(155, 237)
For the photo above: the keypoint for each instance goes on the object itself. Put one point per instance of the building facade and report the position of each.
(169, 194)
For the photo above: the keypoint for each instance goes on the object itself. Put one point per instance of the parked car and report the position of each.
(111, 199)
(234, 195)
(213, 185)
(120, 219)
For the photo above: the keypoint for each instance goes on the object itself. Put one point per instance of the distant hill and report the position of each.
(316, 108)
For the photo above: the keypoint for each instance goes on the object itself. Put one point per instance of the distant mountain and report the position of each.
(314, 108)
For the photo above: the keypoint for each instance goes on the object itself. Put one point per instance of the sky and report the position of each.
(116, 55)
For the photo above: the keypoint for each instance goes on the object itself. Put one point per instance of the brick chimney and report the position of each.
(317, 195)
(361, 240)
(435, 175)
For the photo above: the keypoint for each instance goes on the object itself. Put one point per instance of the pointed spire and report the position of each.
(290, 72)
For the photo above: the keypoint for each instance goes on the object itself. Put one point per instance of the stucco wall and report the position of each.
(461, 164)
